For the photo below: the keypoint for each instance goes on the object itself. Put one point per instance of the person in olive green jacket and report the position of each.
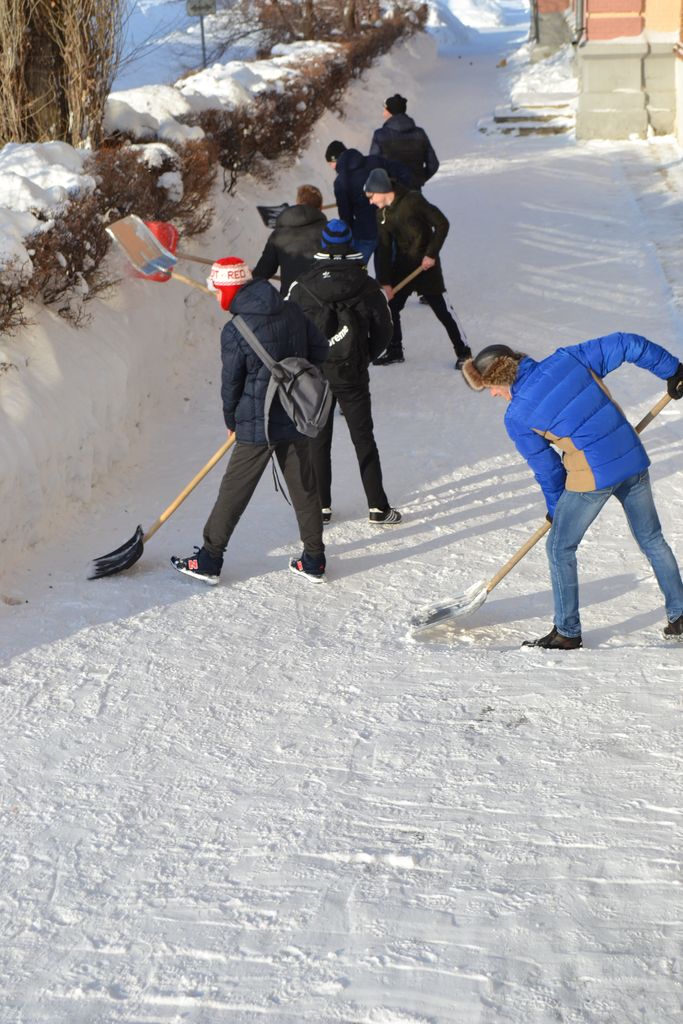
(411, 232)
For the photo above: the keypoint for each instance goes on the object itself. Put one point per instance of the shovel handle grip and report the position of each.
(168, 512)
(544, 527)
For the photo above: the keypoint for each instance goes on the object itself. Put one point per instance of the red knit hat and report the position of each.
(227, 277)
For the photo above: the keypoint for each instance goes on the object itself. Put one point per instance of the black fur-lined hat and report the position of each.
(495, 366)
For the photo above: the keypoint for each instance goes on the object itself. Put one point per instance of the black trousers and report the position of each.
(354, 402)
(245, 469)
(437, 304)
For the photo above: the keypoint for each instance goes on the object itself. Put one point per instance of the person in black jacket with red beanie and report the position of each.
(283, 330)
(350, 309)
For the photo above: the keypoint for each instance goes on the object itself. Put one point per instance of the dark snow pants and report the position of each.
(245, 469)
(437, 304)
(354, 402)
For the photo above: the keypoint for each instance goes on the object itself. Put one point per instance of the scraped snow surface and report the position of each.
(263, 801)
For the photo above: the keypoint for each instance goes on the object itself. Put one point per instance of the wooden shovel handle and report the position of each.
(188, 280)
(408, 279)
(195, 259)
(544, 527)
(167, 513)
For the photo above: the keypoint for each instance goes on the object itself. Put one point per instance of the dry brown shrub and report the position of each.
(12, 285)
(68, 258)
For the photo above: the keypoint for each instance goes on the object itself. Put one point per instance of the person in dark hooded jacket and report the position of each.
(352, 169)
(411, 232)
(339, 279)
(283, 330)
(400, 139)
(294, 242)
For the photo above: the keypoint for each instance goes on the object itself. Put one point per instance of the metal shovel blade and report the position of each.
(141, 246)
(436, 614)
(120, 559)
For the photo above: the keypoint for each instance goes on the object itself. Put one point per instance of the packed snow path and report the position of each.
(262, 801)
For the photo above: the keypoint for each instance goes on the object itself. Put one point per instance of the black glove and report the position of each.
(549, 517)
(674, 385)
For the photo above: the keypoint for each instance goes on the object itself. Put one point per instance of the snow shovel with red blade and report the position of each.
(142, 243)
(128, 554)
(474, 596)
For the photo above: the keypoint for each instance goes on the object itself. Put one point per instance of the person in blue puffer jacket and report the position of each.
(284, 331)
(562, 403)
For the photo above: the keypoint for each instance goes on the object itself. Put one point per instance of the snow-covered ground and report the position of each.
(263, 801)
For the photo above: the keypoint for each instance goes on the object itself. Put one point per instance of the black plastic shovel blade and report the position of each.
(122, 558)
(270, 214)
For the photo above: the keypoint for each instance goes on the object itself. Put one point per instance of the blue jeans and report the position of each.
(575, 512)
(366, 246)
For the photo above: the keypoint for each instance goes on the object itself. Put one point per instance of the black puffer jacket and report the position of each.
(336, 279)
(408, 230)
(292, 245)
(283, 331)
(400, 139)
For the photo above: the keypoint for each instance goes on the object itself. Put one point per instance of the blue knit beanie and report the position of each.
(336, 234)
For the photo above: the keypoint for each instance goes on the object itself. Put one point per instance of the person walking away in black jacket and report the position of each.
(294, 242)
(352, 170)
(283, 330)
(400, 139)
(411, 232)
(350, 309)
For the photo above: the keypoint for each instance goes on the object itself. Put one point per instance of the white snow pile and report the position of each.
(35, 181)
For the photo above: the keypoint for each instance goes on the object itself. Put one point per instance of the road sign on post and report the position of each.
(198, 8)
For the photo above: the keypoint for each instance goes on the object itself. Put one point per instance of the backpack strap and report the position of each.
(253, 342)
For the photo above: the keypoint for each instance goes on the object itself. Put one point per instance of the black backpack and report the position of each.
(346, 330)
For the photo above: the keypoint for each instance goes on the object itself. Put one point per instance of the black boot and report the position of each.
(675, 629)
(466, 353)
(392, 355)
(554, 641)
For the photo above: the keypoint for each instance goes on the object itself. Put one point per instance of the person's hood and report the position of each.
(399, 123)
(350, 160)
(297, 216)
(257, 296)
(334, 279)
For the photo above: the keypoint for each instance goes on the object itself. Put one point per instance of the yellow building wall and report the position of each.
(662, 15)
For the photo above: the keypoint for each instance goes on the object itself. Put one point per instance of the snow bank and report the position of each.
(75, 402)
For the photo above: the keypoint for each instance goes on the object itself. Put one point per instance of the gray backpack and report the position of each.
(303, 391)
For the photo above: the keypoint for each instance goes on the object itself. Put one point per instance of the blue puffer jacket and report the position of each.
(559, 401)
(283, 330)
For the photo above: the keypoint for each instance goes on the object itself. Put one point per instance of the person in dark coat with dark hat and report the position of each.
(338, 280)
(283, 330)
(411, 232)
(352, 170)
(561, 404)
(295, 240)
(400, 139)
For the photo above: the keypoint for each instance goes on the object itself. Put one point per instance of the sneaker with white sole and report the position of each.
(202, 566)
(384, 517)
(309, 567)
